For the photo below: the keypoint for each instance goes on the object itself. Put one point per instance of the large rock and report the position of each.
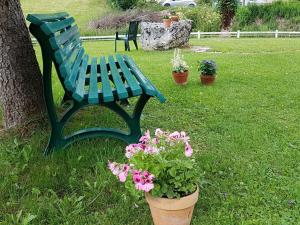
(155, 36)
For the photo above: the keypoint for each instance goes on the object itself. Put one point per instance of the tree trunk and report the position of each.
(20, 77)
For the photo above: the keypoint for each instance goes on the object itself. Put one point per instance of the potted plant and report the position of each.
(167, 21)
(180, 68)
(174, 17)
(163, 169)
(208, 71)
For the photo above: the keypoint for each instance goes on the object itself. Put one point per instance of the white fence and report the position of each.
(240, 34)
(199, 35)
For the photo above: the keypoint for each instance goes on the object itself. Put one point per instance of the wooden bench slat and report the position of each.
(148, 87)
(62, 54)
(79, 92)
(70, 81)
(93, 86)
(106, 88)
(62, 38)
(121, 90)
(39, 19)
(130, 78)
(53, 27)
(66, 66)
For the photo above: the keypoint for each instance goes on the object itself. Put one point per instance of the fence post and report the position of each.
(198, 34)
(238, 34)
(276, 34)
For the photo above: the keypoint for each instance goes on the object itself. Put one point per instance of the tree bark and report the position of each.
(21, 90)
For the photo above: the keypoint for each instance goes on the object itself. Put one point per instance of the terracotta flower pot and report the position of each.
(166, 211)
(207, 79)
(175, 18)
(167, 22)
(180, 78)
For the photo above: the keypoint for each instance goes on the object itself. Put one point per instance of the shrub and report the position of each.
(123, 4)
(204, 18)
(121, 19)
(278, 15)
(149, 5)
(227, 9)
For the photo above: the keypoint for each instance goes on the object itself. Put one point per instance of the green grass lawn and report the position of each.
(245, 130)
(82, 11)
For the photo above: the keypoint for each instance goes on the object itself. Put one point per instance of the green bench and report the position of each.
(87, 81)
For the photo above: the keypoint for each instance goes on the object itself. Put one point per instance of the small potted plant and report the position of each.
(180, 68)
(208, 70)
(167, 21)
(174, 17)
(163, 169)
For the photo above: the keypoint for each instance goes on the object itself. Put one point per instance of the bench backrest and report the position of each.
(61, 34)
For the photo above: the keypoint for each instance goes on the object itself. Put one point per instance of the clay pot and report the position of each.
(166, 211)
(167, 22)
(180, 78)
(207, 79)
(174, 18)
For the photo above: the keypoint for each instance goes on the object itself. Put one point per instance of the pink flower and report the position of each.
(143, 180)
(126, 168)
(151, 149)
(188, 150)
(155, 140)
(123, 176)
(148, 187)
(158, 132)
(175, 135)
(184, 137)
(146, 138)
(139, 186)
(137, 179)
(133, 149)
(114, 168)
(146, 174)
(119, 170)
(136, 172)
(111, 165)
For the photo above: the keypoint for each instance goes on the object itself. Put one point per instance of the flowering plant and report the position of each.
(179, 65)
(163, 165)
(207, 67)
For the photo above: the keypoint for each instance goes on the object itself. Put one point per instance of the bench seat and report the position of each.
(110, 79)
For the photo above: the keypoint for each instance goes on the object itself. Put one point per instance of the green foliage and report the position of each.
(82, 11)
(245, 132)
(123, 4)
(227, 9)
(278, 15)
(149, 5)
(204, 18)
(207, 67)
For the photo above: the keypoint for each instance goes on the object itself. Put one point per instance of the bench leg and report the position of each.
(66, 99)
(57, 140)
(127, 46)
(136, 44)
(136, 117)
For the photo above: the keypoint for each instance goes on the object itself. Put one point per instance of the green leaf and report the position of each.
(172, 172)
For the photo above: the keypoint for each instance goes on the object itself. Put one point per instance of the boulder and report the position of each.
(155, 36)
